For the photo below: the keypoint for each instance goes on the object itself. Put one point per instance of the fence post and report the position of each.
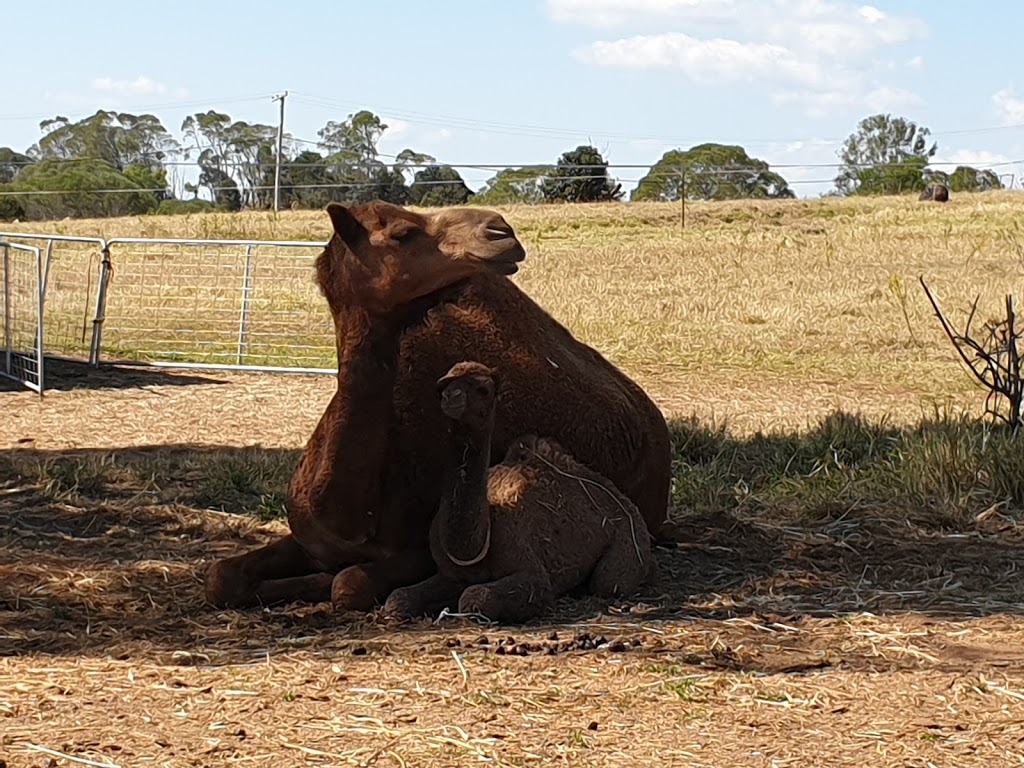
(41, 278)
(49, 256)
(243, 320)
(7, 307)
(101, 307)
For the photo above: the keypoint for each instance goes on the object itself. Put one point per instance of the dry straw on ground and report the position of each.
(797, 634)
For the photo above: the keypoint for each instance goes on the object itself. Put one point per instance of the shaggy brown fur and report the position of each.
(554, 385)
(539, 524)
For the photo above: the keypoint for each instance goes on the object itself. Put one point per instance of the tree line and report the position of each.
(117, 163)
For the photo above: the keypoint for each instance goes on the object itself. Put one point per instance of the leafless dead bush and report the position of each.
(993, 356)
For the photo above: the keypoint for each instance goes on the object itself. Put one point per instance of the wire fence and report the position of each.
(255, 177)
(222, 304)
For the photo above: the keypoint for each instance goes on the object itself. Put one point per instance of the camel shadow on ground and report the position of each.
(102, 552)
(64, 375)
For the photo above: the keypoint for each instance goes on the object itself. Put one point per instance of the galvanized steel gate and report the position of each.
(190, 303)
(25, 271)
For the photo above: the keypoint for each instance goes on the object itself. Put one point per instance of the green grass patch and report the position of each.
(945, 469)
(942, 472)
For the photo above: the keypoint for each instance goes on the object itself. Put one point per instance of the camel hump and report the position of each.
(530, 448)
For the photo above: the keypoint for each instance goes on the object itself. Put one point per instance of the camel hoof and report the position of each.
(476, 599)
(223, 587)
(400, 605)
(352, 590)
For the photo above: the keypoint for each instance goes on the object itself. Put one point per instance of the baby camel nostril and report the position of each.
(453, 398)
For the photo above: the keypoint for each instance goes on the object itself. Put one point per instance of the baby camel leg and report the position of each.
(515, 598)
(360, 587)
(424, 599)
(626, 564)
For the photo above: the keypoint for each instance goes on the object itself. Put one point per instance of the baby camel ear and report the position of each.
(443, 382)
(498, 380)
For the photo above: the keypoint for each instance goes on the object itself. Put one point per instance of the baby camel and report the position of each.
(539, 524)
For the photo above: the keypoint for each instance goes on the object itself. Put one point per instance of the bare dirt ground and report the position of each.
(851, 642)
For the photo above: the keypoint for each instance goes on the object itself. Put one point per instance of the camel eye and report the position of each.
(403, 231)
(483, 390)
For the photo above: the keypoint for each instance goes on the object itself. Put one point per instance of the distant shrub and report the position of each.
(179, 207)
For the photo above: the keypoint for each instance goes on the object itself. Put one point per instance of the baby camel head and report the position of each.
(468, 392)
(382, 256)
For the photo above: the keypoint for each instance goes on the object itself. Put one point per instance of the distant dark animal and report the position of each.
(937, 192)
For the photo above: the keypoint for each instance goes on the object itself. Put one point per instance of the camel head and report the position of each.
(382, 256)
(468, 392)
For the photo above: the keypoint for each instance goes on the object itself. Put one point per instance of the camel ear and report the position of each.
(347, 226)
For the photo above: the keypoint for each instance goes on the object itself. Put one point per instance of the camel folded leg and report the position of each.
(626, 564)
(517, 597)
(427, 598)
(360, 587)
(278, 572)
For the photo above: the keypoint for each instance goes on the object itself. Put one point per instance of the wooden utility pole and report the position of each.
(277, 158)
(682, 199)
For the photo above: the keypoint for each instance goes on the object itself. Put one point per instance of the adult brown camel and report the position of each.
(369, 481)
(511, 538)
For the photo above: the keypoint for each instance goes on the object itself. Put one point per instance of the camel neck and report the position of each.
(368, 349)
(465, 512)
(340, 467)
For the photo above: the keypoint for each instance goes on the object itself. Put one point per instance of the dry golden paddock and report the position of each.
(846, 591)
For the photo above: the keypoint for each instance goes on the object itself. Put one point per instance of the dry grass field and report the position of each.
(845, 591)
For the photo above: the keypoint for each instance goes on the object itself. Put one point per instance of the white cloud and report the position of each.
(886, 97)
(916, 63)
(815, 103)
(982, 158)
(709, 61)
(1009, 108)
(614, 13)
(813, 53)
(140, 86)
(871, 14)
(396, 127)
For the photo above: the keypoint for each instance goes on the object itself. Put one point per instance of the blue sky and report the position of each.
(508, 83)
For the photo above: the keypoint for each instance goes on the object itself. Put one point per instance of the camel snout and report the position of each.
(503, 256)
(453, 401)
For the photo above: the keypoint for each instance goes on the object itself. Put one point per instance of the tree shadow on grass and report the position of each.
(66, 375)
(102, 552)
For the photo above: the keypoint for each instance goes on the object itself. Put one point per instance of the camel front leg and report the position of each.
(361, 587)
(278, 572)
(515, 598)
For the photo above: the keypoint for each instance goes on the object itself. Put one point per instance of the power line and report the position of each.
(343, 185)
(491, 126)
(174, 105)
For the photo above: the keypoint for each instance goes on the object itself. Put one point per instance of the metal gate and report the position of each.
(25, 269)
